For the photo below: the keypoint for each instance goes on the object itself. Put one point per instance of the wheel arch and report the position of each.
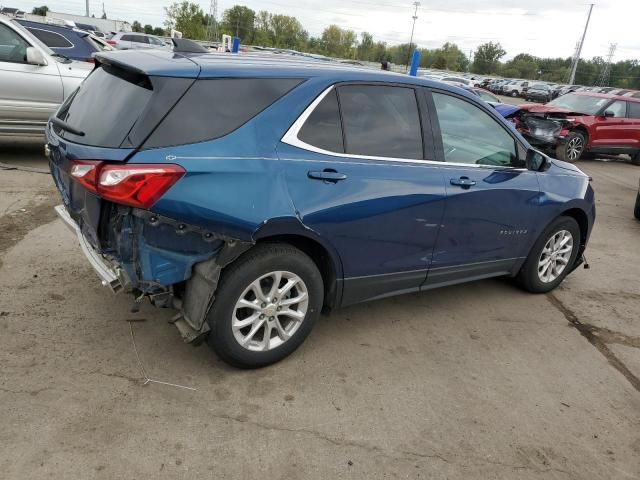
(580, 216)
(326, 258)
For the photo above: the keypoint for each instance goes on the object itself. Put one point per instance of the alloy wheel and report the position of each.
(555, 256)
(270, 311)
(574, 148)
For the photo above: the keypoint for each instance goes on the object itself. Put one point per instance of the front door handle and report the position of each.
(464, 182)
(328, 175)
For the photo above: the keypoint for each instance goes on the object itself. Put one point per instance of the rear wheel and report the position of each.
(514, 93)
(573, 148)
(636, 211)
(635, 159)
(551, 257)
(266, 304)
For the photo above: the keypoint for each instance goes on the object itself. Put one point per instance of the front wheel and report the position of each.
(551, 257)
(266, 304)
(514, 93)
(573, 148)
(636, 210)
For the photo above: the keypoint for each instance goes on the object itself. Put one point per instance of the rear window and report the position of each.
(50, 39)
(106, 107)
(213, 108)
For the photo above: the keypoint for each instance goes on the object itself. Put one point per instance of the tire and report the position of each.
(261, 264)
(636, 210)
(514, 94)
(532, 274)
(635, 159)
(573, 148)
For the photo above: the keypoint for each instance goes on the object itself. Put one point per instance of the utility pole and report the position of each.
(87, 4)
(572, 77)
(213, 21)
(415, 17)
(604, 78)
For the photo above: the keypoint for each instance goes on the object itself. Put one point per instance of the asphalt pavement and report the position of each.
(480, 380)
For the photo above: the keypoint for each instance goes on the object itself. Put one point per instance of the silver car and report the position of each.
(34, 80)
(126, 41)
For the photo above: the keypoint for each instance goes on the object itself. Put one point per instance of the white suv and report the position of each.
(34, 80)
(517, 88)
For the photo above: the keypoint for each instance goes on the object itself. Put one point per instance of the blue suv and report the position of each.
(250, 193)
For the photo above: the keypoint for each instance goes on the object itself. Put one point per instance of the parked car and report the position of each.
(538, 92)
(503, 109)
(568, 89)
(582, 123)
(456, 80)
(251, 196)
(517, 88)
(128, 41)
(34, 80)
(67, 41)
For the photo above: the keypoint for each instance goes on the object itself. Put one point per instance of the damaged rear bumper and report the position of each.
(110, 276)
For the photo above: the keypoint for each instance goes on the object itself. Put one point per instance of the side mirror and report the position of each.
(536, 161)
(35, 57)
(609, 114)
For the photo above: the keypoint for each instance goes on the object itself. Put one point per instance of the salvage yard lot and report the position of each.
(475, 381)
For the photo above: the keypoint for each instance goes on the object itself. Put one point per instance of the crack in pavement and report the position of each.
(599, 337)
(405, 454)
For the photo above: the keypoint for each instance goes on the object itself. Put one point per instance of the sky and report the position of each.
(544, 28)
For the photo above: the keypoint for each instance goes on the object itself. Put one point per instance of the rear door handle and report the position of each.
(328, 175)
(464, 182)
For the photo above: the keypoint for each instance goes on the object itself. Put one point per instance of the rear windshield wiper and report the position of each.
(65, 126)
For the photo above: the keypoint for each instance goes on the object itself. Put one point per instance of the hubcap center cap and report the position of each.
(270, 310)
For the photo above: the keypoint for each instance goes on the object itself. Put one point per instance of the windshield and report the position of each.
(580, 103)
(32, 39)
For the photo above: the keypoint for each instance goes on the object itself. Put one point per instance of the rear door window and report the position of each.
(323, 128)
(634, 110)
(213, 108)
(106, 106)
(381, 121)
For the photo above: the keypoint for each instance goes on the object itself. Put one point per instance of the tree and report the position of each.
(136, 26)
(239, 21)
(104, 15)
(521, 66)
(338, 42)
(42, 11)
(188, 18)
(159, 32)
(487, 58)
(148, 29)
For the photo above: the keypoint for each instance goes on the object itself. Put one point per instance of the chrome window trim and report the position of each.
(291, 138)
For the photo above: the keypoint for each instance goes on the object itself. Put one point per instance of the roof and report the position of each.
(158, 62)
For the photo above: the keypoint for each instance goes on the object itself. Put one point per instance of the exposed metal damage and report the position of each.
(173, 264)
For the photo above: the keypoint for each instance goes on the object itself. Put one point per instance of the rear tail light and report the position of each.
(138, 185)
(112, 42)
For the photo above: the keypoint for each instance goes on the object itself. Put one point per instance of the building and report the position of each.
(100, 24)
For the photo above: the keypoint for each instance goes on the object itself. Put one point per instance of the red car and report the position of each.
(583, 123)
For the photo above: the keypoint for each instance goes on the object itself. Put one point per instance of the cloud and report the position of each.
(552, 28)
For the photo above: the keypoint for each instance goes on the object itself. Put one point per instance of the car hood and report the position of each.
(547, 109)
(75, 69)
